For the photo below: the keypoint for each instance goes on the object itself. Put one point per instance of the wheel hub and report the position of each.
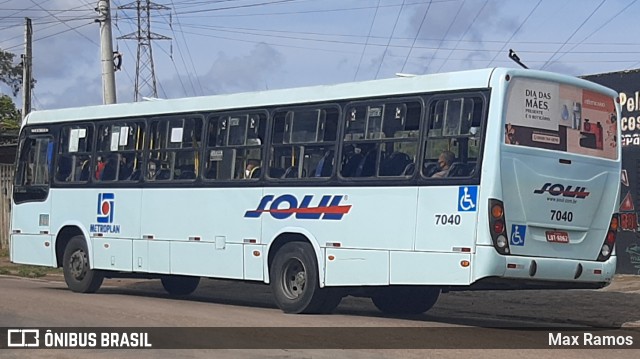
(78, 264)
(296, 279)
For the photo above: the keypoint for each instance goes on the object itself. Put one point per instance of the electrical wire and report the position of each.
(364, 48)
(415, 38)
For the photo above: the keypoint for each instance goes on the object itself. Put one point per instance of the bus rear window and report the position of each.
(560, 117)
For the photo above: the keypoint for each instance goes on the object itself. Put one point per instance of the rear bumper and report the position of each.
(494, 271)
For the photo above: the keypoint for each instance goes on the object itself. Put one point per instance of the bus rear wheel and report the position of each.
(405, 300)
(179, 285)
(77, 272)
(295, 282)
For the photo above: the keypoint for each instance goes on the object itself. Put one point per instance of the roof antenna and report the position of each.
(513, 56)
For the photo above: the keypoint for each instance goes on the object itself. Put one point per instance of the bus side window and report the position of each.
(303, 143)
(234, 146)
(74, 154)
(454, 133)
(389, 146)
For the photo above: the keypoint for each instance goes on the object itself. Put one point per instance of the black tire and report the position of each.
(331, 301)
(405, 300)
(179, 285)
(78, 274)
(295, 283)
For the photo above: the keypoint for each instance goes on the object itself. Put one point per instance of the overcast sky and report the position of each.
(225, 46)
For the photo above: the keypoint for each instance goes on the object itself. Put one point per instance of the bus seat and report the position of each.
(135, 176)
(255, 173)
(109, 171)
(126, 171)
(367, 166)
(187, 175)
(64, 169)
(163, 174)
(459, 169)
(84, 173)
(395, 164)
(325, 165)
(350, 166)
(276, 172)
(430, 168)
(292, 172)
(409, 169)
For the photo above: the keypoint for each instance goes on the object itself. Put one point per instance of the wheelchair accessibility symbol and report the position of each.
(467, 197)
(517, 234)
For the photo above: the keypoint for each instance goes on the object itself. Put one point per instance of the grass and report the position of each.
(22, 270)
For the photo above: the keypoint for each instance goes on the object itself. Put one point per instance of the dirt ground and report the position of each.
(613, 306)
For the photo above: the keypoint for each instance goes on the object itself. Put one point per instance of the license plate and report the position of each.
(557, 236)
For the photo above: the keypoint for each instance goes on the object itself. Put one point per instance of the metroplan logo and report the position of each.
(328, 207)
(105, 215)
(106, 203)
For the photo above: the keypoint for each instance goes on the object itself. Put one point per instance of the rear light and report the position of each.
(497, 211)
(497, 226)
(610, 239)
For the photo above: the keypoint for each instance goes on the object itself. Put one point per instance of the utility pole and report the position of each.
(106, 52)
(145, 72)
(26, 68)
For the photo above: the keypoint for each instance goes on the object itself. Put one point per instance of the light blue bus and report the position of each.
(395, 189)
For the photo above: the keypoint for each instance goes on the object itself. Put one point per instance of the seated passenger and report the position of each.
(445, 160)
(152, 170)
(253, 169)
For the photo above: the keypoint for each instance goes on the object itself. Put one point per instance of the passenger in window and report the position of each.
(445, 160)
(100, 167)
(152, 170)
(253, 169)
(126, 168)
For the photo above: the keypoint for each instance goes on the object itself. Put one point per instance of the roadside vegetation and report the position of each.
(21, 270)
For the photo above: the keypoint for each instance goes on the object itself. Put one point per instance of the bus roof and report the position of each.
(401, 85)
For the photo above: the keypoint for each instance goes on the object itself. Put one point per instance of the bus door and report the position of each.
(31, 241)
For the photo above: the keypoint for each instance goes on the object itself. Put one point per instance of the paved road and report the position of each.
(123, 303)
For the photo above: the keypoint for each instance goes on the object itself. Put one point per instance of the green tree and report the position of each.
(9, 115)
(10, 74)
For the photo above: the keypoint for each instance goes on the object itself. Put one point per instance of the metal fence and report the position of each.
(6, 183)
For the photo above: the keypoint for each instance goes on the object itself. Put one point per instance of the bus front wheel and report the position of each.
(295, 282)
(77, 272)
(405, 300)
(179, 285)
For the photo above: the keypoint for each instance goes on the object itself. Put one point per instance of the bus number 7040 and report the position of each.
(566, 216)
(448, 219)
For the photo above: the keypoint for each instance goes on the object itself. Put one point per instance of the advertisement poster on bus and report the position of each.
(560, 117)
(627, 84)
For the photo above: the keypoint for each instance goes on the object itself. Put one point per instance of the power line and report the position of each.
(446, 32)
(393, 31)
(67, 25)
(311, 11)
(343, 42)
(463, 35)
(51, 35)
(415, 38)
(188, 55)
(573, 34)
(591, 34)
(364, 48)
(236, 7)
(515, 32)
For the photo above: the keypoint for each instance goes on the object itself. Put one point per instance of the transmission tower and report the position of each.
(145, 73)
